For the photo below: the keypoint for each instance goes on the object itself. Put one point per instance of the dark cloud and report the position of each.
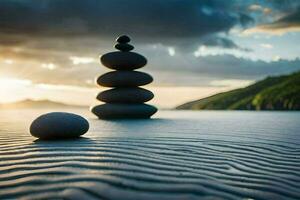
(246, 20)
(171, 22)
(292, 19)
(228, 66)
(11, 40)
(148, 21)
(223, 42)
(223, 67)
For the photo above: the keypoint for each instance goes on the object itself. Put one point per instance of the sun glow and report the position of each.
(12, 89)
(81, 60)
(12, 82)
(49, 66)
(8, 61)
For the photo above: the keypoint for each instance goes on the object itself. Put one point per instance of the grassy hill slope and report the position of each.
(272, 93)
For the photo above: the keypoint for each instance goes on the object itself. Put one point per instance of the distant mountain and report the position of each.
(28, 103)
(272, 93)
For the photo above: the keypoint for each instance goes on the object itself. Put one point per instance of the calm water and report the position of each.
(176, 155)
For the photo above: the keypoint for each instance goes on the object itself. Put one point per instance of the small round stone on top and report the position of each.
(123, 39)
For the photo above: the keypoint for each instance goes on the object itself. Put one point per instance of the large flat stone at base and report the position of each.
(124, 111)
(133, 95)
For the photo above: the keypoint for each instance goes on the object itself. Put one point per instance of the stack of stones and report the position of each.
(126, 99)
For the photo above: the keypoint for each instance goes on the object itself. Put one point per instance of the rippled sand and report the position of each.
(177, 155)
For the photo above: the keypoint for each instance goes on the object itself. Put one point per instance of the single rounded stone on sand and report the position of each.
(59, 125)
(124, 47)
(123, 39)
(123, 60)
(124, 111)
(125, 95)
(124, 79)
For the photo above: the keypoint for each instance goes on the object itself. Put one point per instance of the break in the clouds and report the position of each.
(288, 22)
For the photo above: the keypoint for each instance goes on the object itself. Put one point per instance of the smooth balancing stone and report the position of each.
(124, 79)
(125, 95)
(124, 111)
(58, 125)
(123, 39)
(123, 60)
(124, 47)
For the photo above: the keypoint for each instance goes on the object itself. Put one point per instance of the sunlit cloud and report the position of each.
(276, 58)
(89, 82)
(259, 8)
(200, 51)
(59, 87)
(255, 7)
(278, 29)
(231, 83)
(289, 22)
(267, 10)
(81, 60)
(266, 46)
(214, 51)
(11, 82)
(171, 51)
(12, 89)
(8, 61)
(49, 66)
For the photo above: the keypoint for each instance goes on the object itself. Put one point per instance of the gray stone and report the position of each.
(59, 125)
(125, 95)
(124, 79)
(124, 47)
(123, 60)
(124, 111)
(123, 39)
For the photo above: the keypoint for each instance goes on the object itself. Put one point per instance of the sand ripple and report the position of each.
(163, 160)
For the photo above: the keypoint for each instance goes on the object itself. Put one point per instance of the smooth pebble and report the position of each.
(125, 95)
(123, 60)
(59, 125)
(124, 111)
(124, 79)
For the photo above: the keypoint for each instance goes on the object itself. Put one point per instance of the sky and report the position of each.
(195, 48)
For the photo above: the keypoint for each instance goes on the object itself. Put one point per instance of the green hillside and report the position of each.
(272, 93)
